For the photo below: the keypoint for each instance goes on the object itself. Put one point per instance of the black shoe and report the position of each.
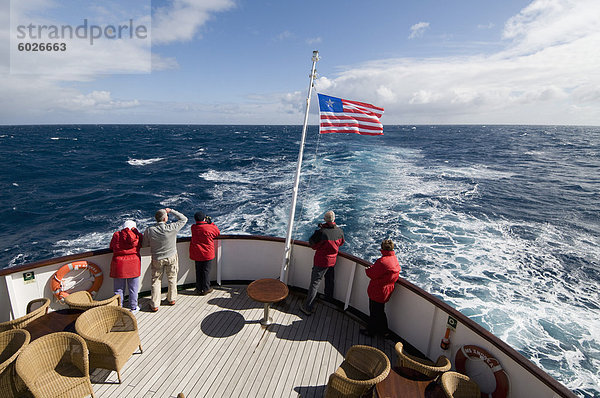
(303, 309)
(204, 293)
(366, 332)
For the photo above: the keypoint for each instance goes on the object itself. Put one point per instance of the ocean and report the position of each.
(502, 222)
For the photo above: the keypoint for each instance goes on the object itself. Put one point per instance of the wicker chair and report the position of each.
(83, 300)
(423, 366)
(363, 367)
(35, 309)
(457, 385)
(12, 342)
(56, 365)
(111, 333)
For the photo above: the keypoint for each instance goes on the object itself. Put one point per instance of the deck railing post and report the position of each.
(350, 284)
(219, 261)
(14, 312)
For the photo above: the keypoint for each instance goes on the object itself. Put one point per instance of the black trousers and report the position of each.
(202, 275)
(378, 323)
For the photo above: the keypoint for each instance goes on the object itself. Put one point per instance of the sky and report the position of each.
(247, 62)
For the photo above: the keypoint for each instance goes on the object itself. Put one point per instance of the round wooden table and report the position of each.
(267, 291)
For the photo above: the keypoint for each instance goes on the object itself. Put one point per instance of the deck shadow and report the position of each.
(310, 391)
(223, 324)
(237, 301)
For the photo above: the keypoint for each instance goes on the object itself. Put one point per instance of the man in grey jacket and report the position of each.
(162, 239)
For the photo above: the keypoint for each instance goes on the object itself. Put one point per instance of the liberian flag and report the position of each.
(345, 116)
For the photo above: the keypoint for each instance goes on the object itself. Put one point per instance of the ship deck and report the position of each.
(215, 346)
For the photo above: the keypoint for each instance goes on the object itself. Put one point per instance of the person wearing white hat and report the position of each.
(125, 267)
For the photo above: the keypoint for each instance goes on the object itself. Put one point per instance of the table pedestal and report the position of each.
(267, 291)
(267, 320)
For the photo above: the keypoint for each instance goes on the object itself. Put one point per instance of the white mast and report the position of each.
(288, 238)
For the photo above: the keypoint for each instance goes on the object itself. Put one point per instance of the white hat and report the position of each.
(129, 224)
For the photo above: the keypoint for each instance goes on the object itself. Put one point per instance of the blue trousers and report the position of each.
(316, 276)
(133, 284)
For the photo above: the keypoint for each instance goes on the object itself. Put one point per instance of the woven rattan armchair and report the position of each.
(35, 309)
(56, 365)
(111, 333)
(457, 385)
(423, 366)
(83, 300)
(363, 367)
(12, 342)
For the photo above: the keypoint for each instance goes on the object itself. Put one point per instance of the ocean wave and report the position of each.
(143, 162)
(90, 241)
(176, 200)
(226, 176)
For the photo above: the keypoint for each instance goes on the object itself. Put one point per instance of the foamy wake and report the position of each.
(143, 162)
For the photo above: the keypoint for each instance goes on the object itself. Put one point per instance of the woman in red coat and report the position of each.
(125, 266)
(383, 274)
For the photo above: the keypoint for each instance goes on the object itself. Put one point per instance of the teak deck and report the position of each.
(214, 346)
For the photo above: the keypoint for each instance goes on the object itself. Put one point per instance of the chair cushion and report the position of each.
(347, 370)
(59, 378)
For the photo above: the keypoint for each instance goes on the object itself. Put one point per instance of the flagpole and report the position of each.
(288, 238)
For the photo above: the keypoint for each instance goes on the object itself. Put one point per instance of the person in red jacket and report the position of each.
(202, 250)
(326, 242)
(383, 274)
(125, 266)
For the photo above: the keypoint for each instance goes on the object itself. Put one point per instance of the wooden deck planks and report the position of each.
(213, 346)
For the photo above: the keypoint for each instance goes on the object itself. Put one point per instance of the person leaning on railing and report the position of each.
(125, 266)
(326, 242)
(202, 250)
(383, 274)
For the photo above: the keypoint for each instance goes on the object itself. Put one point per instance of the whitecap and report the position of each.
(15, 184)
(143, 162)
(55, 138)
(225, 176)
(176, 200)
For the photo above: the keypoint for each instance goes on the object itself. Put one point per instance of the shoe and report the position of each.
(366, 332)
(204, 293)
(136, 310)
(305, 310)
(171, 302)
(153, 309)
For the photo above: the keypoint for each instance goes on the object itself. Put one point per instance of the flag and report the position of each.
(345, 116)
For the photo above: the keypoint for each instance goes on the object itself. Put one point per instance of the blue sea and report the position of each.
(502, 222)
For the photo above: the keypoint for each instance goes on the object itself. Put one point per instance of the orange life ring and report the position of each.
(478, 353)
(56, 281)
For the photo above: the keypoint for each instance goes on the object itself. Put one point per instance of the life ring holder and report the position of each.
(476, 353)
(56, 284)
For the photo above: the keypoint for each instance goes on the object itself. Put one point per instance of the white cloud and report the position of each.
(545, 23)
(418, 29)
(286, 34)
(486, 26)
(181, 19)
(96, 100)
(314, 40)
